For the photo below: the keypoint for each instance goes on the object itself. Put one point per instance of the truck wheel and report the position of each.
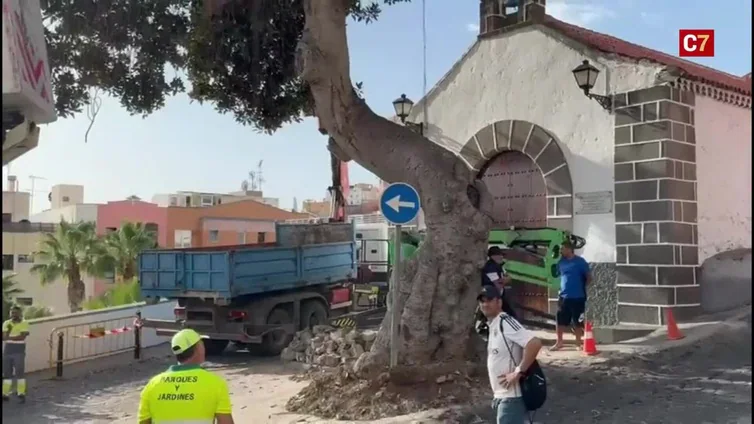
(313, 312)
(215, 347)
(274, 342)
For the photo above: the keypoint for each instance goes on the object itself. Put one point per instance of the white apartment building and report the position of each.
(67, 204)
(361, 193)
(202, 199)
(21, 239)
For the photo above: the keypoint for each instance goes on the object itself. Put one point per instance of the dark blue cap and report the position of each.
(488, 292)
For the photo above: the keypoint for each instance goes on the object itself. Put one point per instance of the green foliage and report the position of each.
(75, 249)
(34, 312)
(121, 294)
(71, 251)
(241, 58)
(10, 287)
(124, 245)
(10, 291)
(119, 46)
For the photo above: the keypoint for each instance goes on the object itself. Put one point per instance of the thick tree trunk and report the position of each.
(129, 271)
(76, 291)
(438, 287)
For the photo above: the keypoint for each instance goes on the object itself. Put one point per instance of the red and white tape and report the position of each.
(98, 334)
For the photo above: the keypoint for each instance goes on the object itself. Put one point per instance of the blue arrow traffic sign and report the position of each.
(399, 203)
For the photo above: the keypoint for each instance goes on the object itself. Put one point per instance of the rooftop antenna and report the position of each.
(260, 179)
(33, 179)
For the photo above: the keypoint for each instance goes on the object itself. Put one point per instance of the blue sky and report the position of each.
(191, 147)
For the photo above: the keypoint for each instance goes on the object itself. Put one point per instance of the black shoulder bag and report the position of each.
(533, 383)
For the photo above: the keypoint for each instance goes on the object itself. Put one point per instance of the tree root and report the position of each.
(341, 394)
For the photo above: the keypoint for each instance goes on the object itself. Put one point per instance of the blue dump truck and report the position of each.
(256, 296)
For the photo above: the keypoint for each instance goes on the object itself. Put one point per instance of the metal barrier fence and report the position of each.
(79, 342)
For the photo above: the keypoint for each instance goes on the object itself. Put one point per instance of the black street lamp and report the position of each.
(586, 76)
(403, 106)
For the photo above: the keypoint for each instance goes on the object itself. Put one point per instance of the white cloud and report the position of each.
(472, 27)
(651, 19)
(581, 13)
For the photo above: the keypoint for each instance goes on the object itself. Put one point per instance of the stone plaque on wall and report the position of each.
(593, 203)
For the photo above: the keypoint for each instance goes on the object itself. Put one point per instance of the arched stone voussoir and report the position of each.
(534, 141)
(522, 136)
(486, 144)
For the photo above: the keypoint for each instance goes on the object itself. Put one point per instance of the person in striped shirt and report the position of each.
(511, 350)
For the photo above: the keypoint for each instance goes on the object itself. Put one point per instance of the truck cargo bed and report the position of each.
(231, 271)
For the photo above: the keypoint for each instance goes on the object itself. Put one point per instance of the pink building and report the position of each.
(112, 215)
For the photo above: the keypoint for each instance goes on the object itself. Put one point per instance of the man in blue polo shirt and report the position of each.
(575, 276)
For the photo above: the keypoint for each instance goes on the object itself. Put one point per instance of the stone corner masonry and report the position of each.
(656, 232)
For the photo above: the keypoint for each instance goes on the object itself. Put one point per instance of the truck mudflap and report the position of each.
(361, 319)
(164, 327)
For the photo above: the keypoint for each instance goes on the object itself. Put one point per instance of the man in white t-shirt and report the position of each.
(509, 354)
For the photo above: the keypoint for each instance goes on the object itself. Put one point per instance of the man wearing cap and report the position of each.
(186, 393)
(15, 331)
(511, 350)
(493, 274)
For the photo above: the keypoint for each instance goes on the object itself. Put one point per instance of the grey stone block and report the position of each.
(650, 255)
(648, 295)
(639, 314)
(652, 211)
(635, 152)
(636, 190)
(651, 94)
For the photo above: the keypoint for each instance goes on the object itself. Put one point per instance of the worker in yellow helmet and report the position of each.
(15, 331)
(186, 392)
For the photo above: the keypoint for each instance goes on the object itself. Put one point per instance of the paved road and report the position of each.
(702, 383)
(259, 389)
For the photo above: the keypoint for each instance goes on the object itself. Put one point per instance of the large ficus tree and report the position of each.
(271, 62)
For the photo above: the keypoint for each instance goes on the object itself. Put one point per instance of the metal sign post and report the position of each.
(399, 205)
(395, 314)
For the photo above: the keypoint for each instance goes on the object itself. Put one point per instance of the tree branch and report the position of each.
(392, 151)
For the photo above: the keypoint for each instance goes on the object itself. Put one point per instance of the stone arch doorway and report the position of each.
(527, 177)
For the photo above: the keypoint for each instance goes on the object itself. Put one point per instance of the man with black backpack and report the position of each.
(518, 383)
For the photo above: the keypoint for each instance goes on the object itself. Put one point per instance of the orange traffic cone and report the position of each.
(673, 332)
(590, 346)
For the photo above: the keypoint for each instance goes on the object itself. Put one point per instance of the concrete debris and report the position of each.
(327, 346)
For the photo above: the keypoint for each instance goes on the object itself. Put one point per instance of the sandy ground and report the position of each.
(697, 381)
(259, 389)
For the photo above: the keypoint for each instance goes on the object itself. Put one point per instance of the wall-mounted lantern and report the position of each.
(586, 76)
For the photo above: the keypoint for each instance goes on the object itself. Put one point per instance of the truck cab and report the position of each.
(27, 89)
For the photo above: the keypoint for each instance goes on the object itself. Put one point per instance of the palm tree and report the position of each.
(10, 291)
(124, 245)
(70, 252)
(10, 287)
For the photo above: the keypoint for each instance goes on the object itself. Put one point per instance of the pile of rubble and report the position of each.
(327, 346)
